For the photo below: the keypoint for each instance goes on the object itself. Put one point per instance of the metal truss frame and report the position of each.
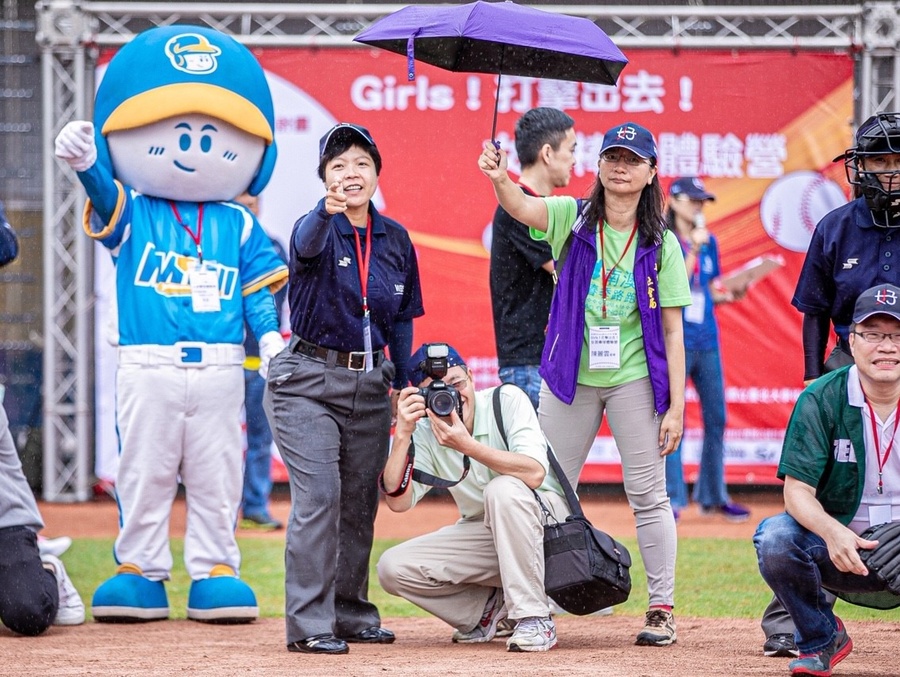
(71, 31)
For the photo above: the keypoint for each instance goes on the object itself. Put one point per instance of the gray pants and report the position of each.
(572, 429)
(332, 427)
(451, 572)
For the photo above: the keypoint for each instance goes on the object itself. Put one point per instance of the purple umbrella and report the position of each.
(499, 37)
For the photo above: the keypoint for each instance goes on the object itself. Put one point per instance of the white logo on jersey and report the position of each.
(167, 273)
(849, 263)
(344, 262)
(843, 451)
(398, 289)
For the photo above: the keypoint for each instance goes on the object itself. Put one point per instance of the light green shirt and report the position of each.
(621, 302)
(523, 433)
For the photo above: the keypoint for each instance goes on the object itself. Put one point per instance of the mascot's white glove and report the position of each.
(270, 344)
(75, 144)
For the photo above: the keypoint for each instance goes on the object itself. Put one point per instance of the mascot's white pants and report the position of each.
(178, 413)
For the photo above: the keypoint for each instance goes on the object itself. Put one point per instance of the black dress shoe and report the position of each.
(324, 643)
(373, 635)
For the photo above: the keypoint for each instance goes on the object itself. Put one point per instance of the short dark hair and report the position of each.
(342, 142)
(538, 127)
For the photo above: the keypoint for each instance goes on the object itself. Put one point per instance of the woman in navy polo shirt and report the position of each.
(354, 291)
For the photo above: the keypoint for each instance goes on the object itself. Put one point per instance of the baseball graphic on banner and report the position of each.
(793, 204)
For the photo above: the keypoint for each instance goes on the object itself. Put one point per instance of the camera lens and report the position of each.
(442, 402)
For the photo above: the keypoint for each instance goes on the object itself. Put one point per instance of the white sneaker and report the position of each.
(71, 608)
(533, 634)
(53, 546)
(486, 630)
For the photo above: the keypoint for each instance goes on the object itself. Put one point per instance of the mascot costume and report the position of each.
(183, 124)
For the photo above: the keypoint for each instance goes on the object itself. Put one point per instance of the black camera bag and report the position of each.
(585, 568)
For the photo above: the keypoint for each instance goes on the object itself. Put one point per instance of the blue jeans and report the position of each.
(705, 370)
(525, 376)
(258, 463)
(795, 563)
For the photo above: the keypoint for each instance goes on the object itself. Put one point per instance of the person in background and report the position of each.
(353, 291)
(853, 248)
(35, 589)
(614, 343)
(522, 268)
(489, 565)
(687, 197)
(258, 460)
(840, 478)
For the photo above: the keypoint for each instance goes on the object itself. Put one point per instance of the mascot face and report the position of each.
(185, 113)
(195, 158)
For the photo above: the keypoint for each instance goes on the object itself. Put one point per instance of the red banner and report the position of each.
(760, 127)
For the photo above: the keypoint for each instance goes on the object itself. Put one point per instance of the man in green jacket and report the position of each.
(840, 478)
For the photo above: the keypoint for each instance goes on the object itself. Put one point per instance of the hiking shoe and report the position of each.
(733, 512)
(264, 522)
(534, 633)
(820, 664)
(781, 645)
(486, 630)
(505, 628)
(71, 608)
(659, 629)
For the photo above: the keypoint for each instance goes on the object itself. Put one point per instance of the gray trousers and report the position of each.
(332, 427)
(451, 572)
(571, 429)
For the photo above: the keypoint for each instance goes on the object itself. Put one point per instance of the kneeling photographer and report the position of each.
(485, 573)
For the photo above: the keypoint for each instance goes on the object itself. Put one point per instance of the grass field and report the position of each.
(716, 578)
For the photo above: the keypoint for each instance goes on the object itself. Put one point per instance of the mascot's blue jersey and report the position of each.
(153, 253)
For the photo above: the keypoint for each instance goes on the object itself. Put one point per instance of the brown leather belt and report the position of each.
(354, 361)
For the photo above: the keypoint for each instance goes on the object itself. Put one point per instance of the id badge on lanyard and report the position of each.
(604, 345)
(364, 285)
(204, 282)
(695, 312)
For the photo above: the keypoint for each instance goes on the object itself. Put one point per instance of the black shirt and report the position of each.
(521, 291)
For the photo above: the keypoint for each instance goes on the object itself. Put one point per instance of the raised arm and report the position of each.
(524, 208)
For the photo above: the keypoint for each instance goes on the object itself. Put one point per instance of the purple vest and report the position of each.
(565, 331)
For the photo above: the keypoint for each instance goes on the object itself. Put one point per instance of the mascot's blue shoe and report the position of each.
(222, 598)
(128, 597)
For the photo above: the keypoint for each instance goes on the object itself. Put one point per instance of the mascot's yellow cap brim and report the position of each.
(185, 98)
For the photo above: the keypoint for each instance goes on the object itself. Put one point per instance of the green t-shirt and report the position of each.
(621, 302)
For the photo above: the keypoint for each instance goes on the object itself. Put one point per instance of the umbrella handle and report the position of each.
(496, 105)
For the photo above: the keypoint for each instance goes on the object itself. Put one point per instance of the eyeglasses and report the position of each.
(460, 385)
(630, 160)
(878, 337)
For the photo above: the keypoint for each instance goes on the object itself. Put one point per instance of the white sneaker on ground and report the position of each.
(71, 608)
(533, 634)
(53, 546)
(486, 630)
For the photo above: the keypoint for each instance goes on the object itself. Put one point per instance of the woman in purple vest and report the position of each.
(614, 342)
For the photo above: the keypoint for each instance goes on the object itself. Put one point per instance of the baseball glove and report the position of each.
(884, 560)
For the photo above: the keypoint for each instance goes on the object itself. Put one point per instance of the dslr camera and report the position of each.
(439, 397)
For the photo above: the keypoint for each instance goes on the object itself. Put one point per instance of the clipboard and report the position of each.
(751, 272)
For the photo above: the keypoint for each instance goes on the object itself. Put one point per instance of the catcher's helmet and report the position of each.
(878, 135)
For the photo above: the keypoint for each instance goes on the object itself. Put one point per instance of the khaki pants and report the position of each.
(450, 572)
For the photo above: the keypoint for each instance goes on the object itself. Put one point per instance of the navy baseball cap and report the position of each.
(632, 136)
(416, 362)
(882, 299)
(691, 187)
(341, 129)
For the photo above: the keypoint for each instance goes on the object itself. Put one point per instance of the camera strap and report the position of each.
(410, 472)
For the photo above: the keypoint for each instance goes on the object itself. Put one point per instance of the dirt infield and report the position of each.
(587, 646)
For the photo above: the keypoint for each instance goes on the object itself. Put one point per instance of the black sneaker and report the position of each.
(781, 645)
(820, 664)
(325, 643)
